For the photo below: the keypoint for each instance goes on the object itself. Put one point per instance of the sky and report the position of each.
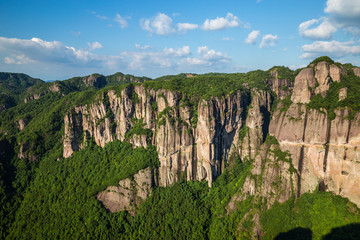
(56, 40)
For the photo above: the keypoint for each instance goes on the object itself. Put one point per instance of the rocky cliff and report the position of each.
(306, 148)
(190, 142)
(324, 151)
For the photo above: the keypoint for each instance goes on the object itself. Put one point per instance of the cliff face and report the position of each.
(308, 150)
(183, 148)
(324, 152)
(129, 194)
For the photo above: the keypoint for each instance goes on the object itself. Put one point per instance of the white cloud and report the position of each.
(344, 8)
(323, 31)
(252, 37)
(268, 41)
(207, 59)
(42, 43)
(9, 60)
(184, 27)
(352, 30)
(221, 23)
(294, 67)
(21, 59)
(34, 56)
(94, 45)
(161, 24)
(122, 21)
(175, 59)
(185, 50)
(138, 46)
(330, 48)
(211, 54)
(39, 50)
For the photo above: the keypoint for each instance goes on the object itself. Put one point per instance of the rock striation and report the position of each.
(190, 145)
(195, 141)
(324, 152)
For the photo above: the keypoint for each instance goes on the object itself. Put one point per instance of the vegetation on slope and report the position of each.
(61, 203)
(318, 212)
(331, 101)
(211, 85)
(13, 87)
(56, 199)
(321, 59)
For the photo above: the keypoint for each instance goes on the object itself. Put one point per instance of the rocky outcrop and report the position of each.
(24, 152)
(130, 193)
(356, 71)
(282, 87)
(54, 87)
(195, 146)
(95, 80)
(22, 124)
(303, 87)
(315, 80)
(324, 152)
(32, 97)
(342, 94)
(249, 139)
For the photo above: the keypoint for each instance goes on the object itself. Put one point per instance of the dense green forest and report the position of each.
(55, 198)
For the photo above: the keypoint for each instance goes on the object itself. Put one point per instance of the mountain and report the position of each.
(12, 87)
(253, 155)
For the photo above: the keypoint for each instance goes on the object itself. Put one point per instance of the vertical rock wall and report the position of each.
(194, 152)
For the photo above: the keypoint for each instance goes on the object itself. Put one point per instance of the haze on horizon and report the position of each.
(55, 40)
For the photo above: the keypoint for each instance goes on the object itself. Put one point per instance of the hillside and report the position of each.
(257, 155)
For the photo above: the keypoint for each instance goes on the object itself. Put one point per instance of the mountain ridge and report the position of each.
(276, 135)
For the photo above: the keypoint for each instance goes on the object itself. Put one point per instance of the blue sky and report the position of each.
(55, 40)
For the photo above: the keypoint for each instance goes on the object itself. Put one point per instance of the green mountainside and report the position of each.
(46, 196)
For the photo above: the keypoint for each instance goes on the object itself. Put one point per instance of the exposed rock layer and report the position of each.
(323, 153)
(129, 194)
(198, 152)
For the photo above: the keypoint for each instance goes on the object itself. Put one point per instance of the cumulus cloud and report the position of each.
(40, 50)
(330, 48)
(346, 14)
(184, 27)
(185, 50)
(268, 41)
(94, 45)
(341, 14)
(210, 54)
(206, 59)
(323, 31)
(161, 24)
(344, 8)
(121, 21)
(221, 23)
(252, 37)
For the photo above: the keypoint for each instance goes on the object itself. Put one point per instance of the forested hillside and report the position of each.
(259, 155)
